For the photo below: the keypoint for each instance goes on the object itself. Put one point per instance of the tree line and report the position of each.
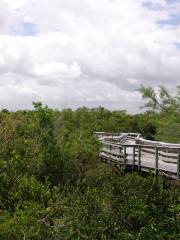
(53, 186)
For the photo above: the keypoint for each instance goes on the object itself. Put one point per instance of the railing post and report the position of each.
(139, 157)
(120, 149)
(133, 160)
(124, 155)
(101, 147)
(156, 160)
(178, 163)
(110, 154)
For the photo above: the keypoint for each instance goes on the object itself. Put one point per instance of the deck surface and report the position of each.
(132, 150)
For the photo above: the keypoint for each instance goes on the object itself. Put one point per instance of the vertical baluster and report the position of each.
(124, 155)
(110, 149)
(133, 160)
(120, 149)
(156, 160)
(101, 147)
(178, 163)
(139, 157)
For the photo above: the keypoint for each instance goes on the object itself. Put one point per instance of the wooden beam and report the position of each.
(154, 154)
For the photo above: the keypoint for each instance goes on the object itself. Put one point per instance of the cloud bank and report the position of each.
(72, 53)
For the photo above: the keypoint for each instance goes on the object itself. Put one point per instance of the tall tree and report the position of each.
(168, 107)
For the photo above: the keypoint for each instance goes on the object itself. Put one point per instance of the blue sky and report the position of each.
(24, 29)
(172, 1)
(172, 20)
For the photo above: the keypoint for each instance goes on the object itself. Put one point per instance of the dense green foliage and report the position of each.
(168, 107)
(53, 186)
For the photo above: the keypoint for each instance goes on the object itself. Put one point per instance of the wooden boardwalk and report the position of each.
(137, 153)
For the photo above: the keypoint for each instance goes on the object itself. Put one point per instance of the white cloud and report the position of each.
(5, 15)
(57, 69)
(86, 52)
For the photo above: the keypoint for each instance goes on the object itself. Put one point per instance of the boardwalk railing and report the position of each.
(135, 152)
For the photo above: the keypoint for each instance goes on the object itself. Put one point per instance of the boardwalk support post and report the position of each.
(133, 162)
(124, 158)
(139, 157)
(156, 160)
(178, 163)
(120, 150)
(124, 154)
(110, 149)
(162, 158)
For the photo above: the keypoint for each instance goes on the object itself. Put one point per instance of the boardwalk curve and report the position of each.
(137, 153)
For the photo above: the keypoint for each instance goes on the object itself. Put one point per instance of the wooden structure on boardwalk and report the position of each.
(135, 152)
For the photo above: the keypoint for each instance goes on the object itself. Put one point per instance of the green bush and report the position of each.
(53, 186)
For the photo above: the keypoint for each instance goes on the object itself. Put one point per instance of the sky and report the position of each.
(74, 53)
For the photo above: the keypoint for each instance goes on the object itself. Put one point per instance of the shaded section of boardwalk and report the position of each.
(130, 149)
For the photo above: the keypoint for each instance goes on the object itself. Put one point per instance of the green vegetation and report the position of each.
(53, 186)
(168, 108)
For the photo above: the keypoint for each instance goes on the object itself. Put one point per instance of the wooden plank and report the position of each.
(143, 146)
(146, 164)
(167, 157)
(161, 153)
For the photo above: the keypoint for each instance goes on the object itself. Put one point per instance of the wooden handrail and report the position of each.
(132, 150)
